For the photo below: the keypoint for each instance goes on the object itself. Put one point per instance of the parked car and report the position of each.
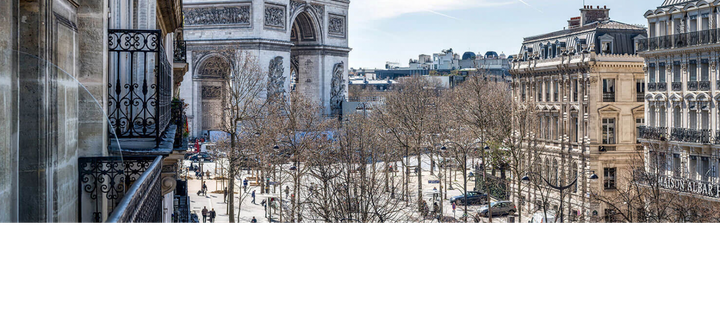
(473, 198)
(201, 156)
(499, 208)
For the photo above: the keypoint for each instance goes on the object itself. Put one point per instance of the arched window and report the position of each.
(651, 116)
(677, 117)
(663, 114)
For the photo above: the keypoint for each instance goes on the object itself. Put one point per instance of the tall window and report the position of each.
(640, 89)
(676, 72)
(677, 165)
(662, 76)
(677, 117)
(609, 178)
(575, 123)
(651, 72)
(556, 87)
(575, 176)
(547, 91)
(608, 90)
(575, 90)
(608, 131)
(639, 122)
(692, 67)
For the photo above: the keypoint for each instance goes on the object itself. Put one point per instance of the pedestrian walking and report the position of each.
(204, 214)
(253, 197)
(287, 191)
(253, 220)
(225, 195)
(204, 188)
(212, 216)
(245, 184)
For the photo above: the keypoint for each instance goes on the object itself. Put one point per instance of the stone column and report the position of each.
(8, 116)
(48, 117)
(93, 134)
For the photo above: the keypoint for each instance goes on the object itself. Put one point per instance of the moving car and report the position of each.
(499, 208)
(201, 156)
(473, 198)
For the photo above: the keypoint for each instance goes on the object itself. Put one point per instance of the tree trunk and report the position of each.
(419, 168)
(231, 181)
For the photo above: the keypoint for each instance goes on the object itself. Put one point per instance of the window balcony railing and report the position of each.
(691, 135)
(653, 133)
(662, 86)
(609, 97)
(677, 86)
(140, 85)
(693, 85)
(130, 185)
(640, 97)
(717, 137)
(704, 85)
(652, 87)
(679, 40)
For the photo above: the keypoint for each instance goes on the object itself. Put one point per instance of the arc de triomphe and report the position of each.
(306, 40)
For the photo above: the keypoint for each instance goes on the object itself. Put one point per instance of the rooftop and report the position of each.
(604, 25)
(674, 2)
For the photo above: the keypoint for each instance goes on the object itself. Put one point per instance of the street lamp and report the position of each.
(561, 189)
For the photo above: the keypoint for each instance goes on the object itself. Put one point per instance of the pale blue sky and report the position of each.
(397, 30)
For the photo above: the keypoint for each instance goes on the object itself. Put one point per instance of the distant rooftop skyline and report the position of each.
(400, 30)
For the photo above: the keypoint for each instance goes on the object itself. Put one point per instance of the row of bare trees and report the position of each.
(360, 169)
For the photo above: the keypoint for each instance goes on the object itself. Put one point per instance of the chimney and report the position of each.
(574, 22)
(588, 14)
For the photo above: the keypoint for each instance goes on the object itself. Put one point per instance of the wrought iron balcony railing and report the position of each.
(640, 97)
(143, 201)
(704, 85)
(653, 133)
(693, 85)
(609, 97)
(652, 87)
(140, 84)
(691, 135)
(662, 86)
(679, 40)
(677, 86)
(106, 181)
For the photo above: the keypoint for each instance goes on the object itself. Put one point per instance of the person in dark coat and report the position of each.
(253, 197)
(204, 214)
(253, 220)
(225, 195)
(212, 216)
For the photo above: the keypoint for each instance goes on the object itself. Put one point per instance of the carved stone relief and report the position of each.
(276, 80)
(295, 6)
(337, 92)
(320, 10)
(275, 16)
(336, 26)
(211, 92)
(239, 15)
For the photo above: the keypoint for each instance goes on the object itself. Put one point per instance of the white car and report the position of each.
(539, 217)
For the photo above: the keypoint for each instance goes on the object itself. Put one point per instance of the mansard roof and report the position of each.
(600, 25)
(674, 2)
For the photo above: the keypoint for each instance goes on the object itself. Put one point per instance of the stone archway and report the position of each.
(210, 82)
(305, 59)
(302, 44)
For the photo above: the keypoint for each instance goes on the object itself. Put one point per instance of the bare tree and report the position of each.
(246, 84)
(407, 116)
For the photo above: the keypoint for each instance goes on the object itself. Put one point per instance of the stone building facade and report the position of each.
(682, 137)
(304, 42)
(586, 84)
(87, 130)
